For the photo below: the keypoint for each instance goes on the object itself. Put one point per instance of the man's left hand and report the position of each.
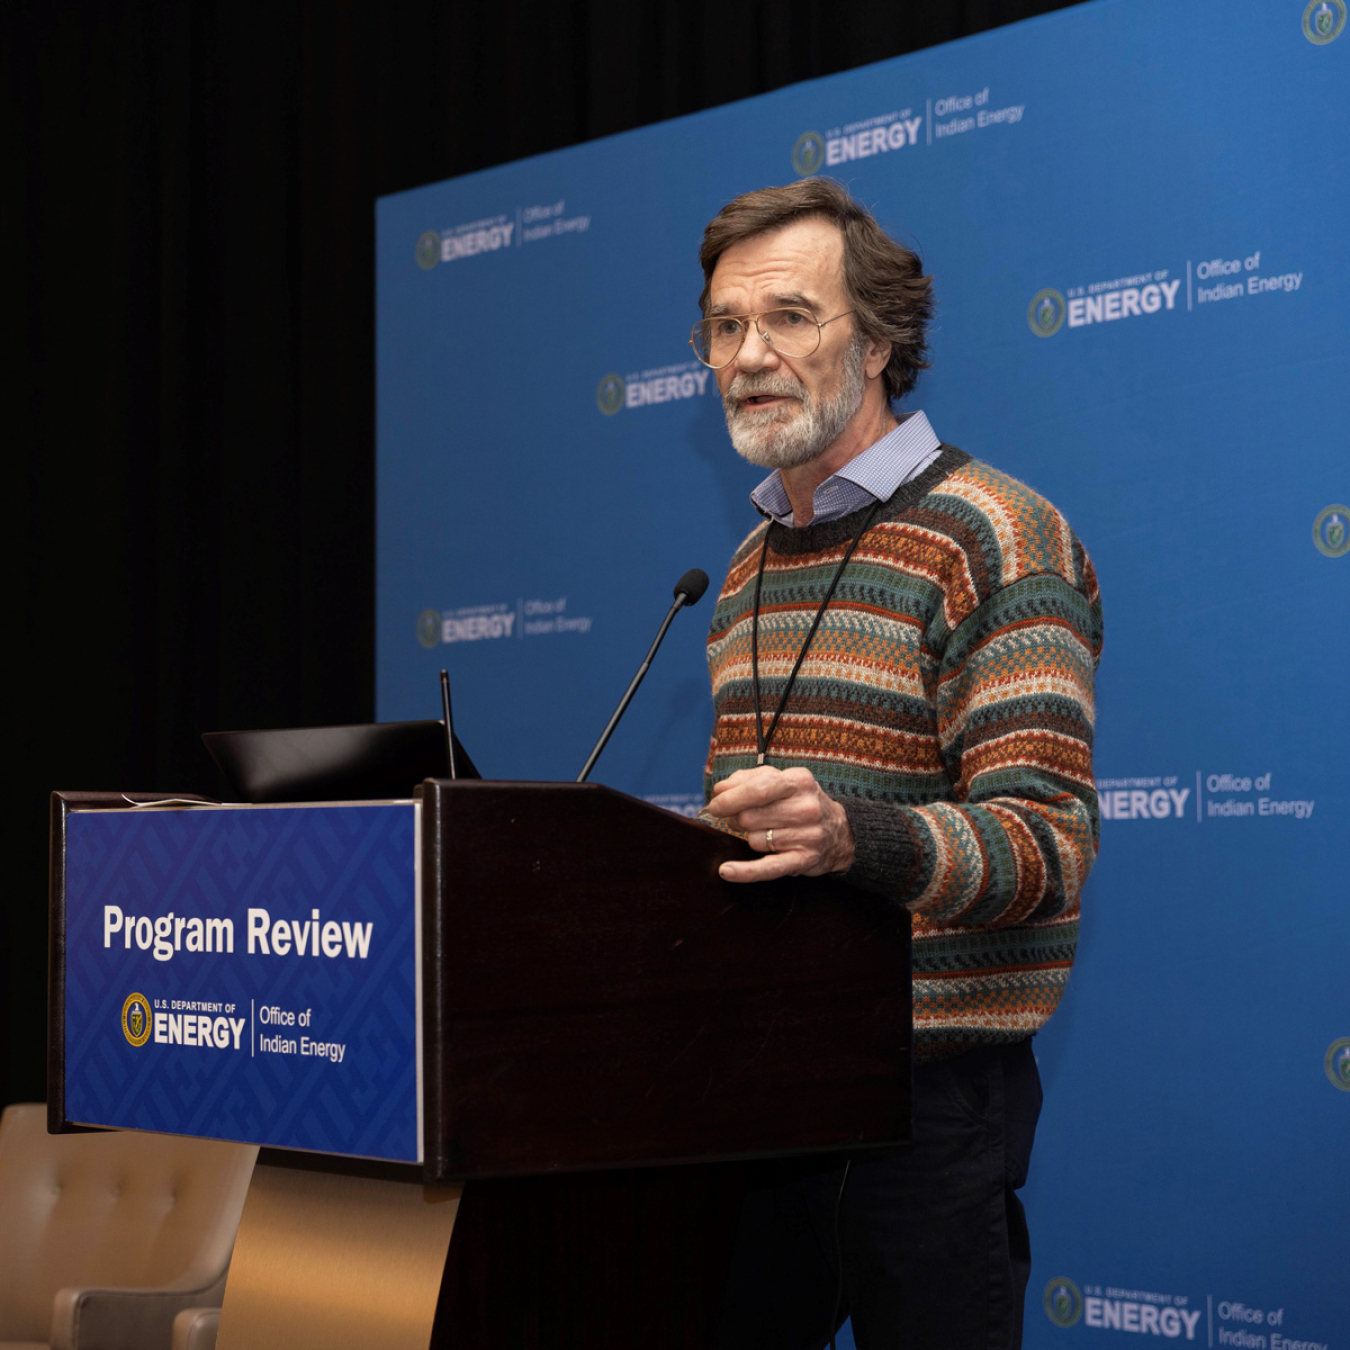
(788, 817)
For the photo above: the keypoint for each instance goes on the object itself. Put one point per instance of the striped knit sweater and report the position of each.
(946, 703)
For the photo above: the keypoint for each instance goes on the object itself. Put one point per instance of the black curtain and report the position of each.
(188, 234)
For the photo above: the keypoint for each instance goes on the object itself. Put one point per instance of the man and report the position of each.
(902, 660)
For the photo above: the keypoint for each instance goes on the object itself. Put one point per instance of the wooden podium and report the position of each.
(608, 1031)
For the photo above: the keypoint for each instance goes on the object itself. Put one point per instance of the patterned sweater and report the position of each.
(946, 703)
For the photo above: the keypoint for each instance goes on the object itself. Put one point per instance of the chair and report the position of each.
(196, 1329)
(106, 1237)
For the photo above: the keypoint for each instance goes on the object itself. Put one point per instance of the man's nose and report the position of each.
(756, 353)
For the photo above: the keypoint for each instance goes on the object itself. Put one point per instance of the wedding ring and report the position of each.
(768, 841)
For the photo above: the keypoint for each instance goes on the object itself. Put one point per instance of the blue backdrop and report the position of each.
(1134, 212)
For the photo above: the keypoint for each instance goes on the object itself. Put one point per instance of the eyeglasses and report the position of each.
(790, 332)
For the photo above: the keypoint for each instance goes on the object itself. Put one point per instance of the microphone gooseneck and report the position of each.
(449, 724)
(688, 591)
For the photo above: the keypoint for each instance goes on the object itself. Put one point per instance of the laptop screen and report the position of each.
(375, 761)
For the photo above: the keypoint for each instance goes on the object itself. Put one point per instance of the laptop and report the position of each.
(374, 761)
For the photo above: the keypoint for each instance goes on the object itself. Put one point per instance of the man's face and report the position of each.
(784, 411)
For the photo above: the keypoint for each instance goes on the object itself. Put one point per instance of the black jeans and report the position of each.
(933, 1236)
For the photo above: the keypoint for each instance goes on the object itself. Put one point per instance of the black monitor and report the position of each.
(375, 761)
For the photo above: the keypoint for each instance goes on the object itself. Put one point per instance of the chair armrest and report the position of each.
(196, 1328)
(121, 1319)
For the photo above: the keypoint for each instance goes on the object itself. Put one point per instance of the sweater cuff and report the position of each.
(885, 851)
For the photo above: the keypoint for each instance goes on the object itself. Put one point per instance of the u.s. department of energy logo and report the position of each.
(428, 250)
(1063, 1302)
(429, 628)
(609, 395)
(809, 153)
(1323, 21)
(136, 1019)
(1045, 313)
(1337, 1063)
(1331, 531)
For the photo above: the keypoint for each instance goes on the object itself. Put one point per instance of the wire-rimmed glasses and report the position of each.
(790, 331)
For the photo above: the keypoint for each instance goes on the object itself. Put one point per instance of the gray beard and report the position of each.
(783, 438)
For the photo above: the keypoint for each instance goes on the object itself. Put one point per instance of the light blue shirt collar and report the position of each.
(872, 476)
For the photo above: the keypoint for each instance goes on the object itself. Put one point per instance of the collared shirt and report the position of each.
(870, 477)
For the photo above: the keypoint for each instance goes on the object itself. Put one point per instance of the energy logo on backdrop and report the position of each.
(1331, 531)
(429, 628)
(463, 241)
(1147, 797)
(808, 154)
(1172, 1317)
(529, 617)
(661, 384)
(428, 251)
(1142, 295)
(858, 140)
(1108, 1308)
(1337, 1063)
(1045, 313)
(1323, 21)
(1216, 797)
(531, 225)
(1127, 297)
(468, 623)
(1063, 1301)
(609, 394)
(136, 1019)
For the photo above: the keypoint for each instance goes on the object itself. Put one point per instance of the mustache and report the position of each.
(766, 382)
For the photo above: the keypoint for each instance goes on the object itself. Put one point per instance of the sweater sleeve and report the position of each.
(1014, 708)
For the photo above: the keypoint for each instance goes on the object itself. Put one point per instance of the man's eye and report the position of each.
(793, 318)
(727, 327)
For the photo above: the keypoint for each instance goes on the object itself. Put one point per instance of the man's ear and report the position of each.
(877, 359)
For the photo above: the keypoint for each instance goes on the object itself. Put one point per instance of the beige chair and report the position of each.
(105, 1238)
(196, 1329)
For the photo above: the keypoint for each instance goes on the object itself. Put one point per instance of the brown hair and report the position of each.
(892, 299)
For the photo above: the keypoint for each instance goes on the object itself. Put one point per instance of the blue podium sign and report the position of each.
(247, 973)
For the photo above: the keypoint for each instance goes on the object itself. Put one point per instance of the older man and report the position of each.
(902, 660)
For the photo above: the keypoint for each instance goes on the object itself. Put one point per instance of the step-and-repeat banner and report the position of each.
(1135, 214)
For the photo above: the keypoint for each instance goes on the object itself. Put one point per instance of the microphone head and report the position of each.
(692, 585)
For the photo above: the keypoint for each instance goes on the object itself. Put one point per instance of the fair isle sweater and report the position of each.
(946, 702)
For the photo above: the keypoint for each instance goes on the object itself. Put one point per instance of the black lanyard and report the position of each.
(761, 739)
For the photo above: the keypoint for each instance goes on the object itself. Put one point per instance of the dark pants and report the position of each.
(933, 1236)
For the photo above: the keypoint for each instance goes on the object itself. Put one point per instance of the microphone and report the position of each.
(691, 587)
(688, 591)
(449, 724)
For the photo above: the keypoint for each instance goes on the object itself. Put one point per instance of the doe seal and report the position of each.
(809, 153)
(428, 250)
(1323, 21)
(1337, 1063)
(1331, 531)
(1045, 313)
(1063, 1301)
(136, 1019)
(429, 628)
(609, 395)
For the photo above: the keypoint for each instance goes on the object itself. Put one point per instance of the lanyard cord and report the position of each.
(762, 738)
